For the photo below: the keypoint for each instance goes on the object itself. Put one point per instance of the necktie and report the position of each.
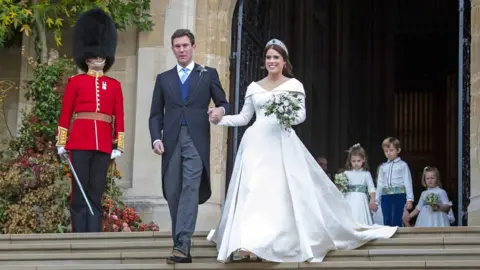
(184, 75)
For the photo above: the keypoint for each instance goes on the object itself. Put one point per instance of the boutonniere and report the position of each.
(201, 69)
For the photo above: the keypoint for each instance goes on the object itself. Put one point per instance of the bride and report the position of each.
(280, 205)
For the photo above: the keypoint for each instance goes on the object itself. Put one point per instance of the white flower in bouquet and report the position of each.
(285, 107)
(341, 181)
(433, 200)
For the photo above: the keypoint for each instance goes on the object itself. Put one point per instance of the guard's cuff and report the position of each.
(62, 136)
(119, 143)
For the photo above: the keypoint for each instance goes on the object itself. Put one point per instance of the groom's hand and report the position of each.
(215, 114)
(158, 147)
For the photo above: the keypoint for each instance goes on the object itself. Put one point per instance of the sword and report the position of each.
(78, 183)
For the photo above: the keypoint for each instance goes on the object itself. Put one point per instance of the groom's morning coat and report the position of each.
(204, 85)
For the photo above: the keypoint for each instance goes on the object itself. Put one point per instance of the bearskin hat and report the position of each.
(94, 35)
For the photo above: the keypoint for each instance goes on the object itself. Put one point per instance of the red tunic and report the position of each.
(92, 92)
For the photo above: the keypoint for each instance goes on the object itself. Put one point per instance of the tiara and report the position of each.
(278, 43)
(356, 145)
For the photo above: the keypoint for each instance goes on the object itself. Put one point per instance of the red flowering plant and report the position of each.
(119, 217)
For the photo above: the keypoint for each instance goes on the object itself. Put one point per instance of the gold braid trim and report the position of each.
(121, 141)
(62, 136)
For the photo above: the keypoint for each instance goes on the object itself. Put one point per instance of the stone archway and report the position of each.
(448, 169)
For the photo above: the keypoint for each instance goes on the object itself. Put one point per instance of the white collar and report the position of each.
(189, 66)
(395, 160)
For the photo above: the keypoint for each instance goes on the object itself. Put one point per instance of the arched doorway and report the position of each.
(371, 69)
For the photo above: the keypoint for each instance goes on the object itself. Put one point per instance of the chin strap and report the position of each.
(93, 64)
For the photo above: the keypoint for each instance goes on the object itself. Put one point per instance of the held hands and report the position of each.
(158, 147)
(409, 205)
(215, 115)
(373, 206)
(406, 218)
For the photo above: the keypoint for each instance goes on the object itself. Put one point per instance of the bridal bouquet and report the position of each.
(341, 181)
(433, 200)
(285, 107)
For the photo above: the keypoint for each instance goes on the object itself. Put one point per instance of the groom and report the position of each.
(180, 132)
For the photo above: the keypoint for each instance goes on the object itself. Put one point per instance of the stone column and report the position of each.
(213, 35)
(125, 70)
(474, 207)
(26, 72)
(9, 114)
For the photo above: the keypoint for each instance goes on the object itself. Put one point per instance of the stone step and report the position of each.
(410, 248)
(403, 254)
(209, 256)
(412, 232)
(373, 265)
(138, 237)
(42, 258)
(108, 246)
(424, 242)
(89, 237)
(165, 245)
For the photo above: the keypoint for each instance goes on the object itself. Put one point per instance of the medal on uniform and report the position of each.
(104, 85)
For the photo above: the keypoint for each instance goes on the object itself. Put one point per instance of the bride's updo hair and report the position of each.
(356, 150)
(278, 46)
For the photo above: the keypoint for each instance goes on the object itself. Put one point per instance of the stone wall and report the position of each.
(10, 71)
(474, 208)
(125, 70)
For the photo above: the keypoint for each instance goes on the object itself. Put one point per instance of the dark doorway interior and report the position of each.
(371, 69)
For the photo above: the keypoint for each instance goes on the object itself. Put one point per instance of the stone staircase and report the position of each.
(410, 248)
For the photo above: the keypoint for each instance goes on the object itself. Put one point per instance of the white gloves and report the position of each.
(61, 150)
(115, 154)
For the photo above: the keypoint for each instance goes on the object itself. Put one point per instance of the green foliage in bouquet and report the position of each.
(34, 182)
(433, 200)
(341, 181)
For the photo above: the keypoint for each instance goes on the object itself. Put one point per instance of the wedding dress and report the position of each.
(280, 204)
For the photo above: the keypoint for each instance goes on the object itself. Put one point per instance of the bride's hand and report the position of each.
(214, 121)
(214, 116)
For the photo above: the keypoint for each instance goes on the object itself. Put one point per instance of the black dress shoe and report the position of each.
(172, 259)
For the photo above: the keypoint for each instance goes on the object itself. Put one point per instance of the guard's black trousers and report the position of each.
(91, 168)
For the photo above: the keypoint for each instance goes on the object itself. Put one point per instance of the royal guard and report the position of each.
(91, 124)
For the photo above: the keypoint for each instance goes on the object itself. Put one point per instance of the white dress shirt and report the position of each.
(189, 69)
(394, 173)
